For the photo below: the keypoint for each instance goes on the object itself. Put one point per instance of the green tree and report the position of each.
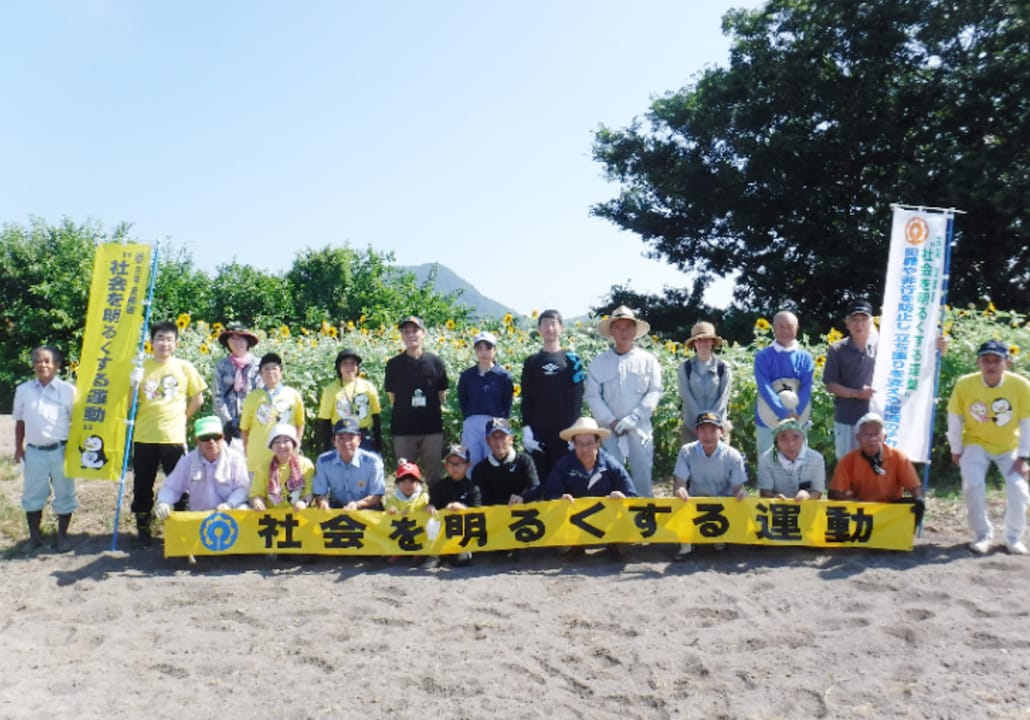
(342, 284)
(782, 167)
(180, 287)
(45, 274)
(243, 294)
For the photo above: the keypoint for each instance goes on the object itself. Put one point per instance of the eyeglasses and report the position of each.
(209, 438)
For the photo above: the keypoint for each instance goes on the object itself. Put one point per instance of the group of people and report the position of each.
(248, 453)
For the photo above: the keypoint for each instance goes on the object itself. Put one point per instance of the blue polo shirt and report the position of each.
(348, 482)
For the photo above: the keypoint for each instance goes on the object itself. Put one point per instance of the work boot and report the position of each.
(143, 535)
(63, 543)
(34, 518)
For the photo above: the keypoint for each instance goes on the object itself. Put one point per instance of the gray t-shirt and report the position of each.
(809, 470)
(851, 367)
(710, 476)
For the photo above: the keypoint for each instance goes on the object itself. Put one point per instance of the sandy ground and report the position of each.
(743, 633)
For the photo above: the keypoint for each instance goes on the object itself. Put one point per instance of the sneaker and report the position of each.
(573, 552)
(981, 546)
(683, 553)
(615, 552)
(1016, 548)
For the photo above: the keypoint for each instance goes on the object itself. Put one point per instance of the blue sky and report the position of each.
(456, 132)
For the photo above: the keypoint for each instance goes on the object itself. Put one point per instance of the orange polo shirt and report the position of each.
(854, 473)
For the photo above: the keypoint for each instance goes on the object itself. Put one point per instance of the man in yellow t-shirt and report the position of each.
(989, 421)
(264, 408)
(170, 392)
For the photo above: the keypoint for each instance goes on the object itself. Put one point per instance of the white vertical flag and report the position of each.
(906, 352)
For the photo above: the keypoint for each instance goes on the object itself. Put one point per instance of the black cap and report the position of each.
(498, 425)
(860, 307)
(412, 320)
(993, 347)
(347, 426)
(709, 418)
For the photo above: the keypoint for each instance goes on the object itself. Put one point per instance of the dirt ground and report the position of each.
(743, 633)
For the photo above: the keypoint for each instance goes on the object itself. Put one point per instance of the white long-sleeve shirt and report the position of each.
(617, 385)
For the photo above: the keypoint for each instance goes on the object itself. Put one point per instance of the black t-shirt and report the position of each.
(552, 396)
(497, 483)
(416, 384)
(445, 491)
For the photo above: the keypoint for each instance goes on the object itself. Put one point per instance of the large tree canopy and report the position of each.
(783, 166)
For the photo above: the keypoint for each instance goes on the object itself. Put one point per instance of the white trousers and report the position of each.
(974, 463)
(640, 456)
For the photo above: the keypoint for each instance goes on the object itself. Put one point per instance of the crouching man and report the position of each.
(213, 475)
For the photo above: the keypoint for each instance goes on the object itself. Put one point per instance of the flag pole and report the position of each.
(131, 421)
(945, 276)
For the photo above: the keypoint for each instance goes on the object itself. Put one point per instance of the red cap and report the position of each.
(406, 468)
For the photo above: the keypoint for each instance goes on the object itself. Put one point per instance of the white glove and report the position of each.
(162, 511)
(627, 423)
(136, 376)
(222, 507)
(528, 441)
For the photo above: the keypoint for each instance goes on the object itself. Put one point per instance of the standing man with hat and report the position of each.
(623, 388)
(485, 391)
(350, 395)
(989, 422)
(416, 383)
(235, 375)
(552, 395)
(42, 420)
(704, 380)
(212, 475)
(349, 477)
(848, 375)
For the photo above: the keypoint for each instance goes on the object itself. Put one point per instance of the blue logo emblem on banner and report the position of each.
(219, 532)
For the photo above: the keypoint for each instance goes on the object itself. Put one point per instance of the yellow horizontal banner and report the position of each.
(585, 521)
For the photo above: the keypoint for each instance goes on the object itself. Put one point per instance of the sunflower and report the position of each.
(284, 331)
(204, 349)
(450, 324)
(535, 314)
(1013, 349)
(217, 328)
(820, 361)
(350, 326)
(834, 335)
(183, 321)
(508, 319)
(762, 325)
(518, 390)
(147, 347)
(671, 346)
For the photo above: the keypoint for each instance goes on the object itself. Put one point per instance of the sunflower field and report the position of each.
(308, 355)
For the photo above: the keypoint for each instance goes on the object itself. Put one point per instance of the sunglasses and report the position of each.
(208, 438)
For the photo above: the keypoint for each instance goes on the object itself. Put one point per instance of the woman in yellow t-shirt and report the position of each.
(350, 396)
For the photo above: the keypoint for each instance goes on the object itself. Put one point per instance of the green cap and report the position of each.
(209, 425)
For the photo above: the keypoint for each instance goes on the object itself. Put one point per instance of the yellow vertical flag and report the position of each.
(117, 300)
